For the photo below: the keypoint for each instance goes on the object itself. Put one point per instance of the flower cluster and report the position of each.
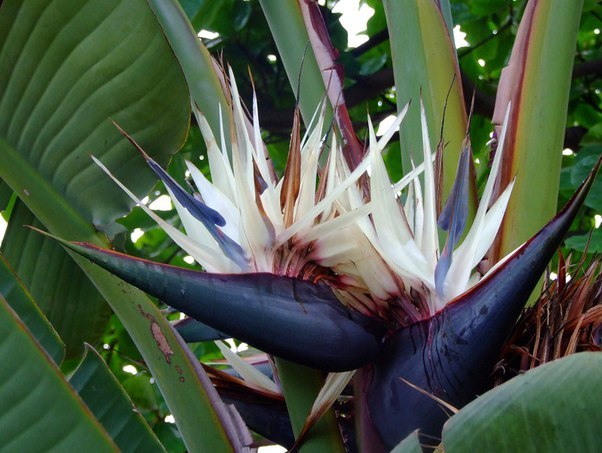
(375, 243)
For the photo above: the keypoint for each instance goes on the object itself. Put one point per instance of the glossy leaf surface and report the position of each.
(551, 408)
(39, 411)
(289, 32)
(63, 292)
(410, 444)
(21, 301)
(546, 39)
(425, 64)
(197, 64)
(68, 67)
(111, 405)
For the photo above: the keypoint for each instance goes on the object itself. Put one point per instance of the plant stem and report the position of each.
(300, 386)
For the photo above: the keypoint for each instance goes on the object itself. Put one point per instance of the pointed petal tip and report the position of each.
(272, 313)
(545, 242)
(451, 354)
(131, 140)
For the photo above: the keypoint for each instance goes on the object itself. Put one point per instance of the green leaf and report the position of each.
(546, 39)
(39, 411)
(202, 8)
(486, 7)
(373, 64)
(187, 390)
(300, 386)
(111, 405)
(590, 241)
(410, 444)
(555, 407)
(21, 301)
(425, 64)
(6, 194)
(63, 292)
(289, 32)
(67, 68)
(170, 438)
(196, 62)
(242, 13)
(586, 159)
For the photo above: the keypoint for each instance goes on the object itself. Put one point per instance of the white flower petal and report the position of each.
(333, 386)
(218, 201)
(430, 238)
(207, 257)
(393, 128)
(247, 371)
(219, 164)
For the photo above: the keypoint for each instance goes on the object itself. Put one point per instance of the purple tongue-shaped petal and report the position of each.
(294, 319)
(451, 355)
(197, 209)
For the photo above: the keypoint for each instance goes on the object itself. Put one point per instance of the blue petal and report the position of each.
(453, 217)
(198, 209)
(455, 212)
(210, 218)
(451, 354)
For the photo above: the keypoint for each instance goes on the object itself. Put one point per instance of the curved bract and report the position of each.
(193, 331)
(451, 355)
(263, 412)
(293, 319)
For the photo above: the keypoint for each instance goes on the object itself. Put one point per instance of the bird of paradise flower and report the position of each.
(359, 265)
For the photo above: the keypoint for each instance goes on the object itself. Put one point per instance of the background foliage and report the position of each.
(236, 31)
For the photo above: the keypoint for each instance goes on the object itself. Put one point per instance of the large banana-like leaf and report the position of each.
(288, 29)
(66, 69)
(21, 301)
(111, 405)
(203, 420)
(410, 444)
(554, 407)
(551, 408)
(67, 297)
(197, 64)
(425, 63)
(311, 66)
(546, 39)
(333, 78)
(39, 411)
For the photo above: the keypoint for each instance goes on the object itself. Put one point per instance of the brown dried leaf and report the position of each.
(292, 174)
(566, 319)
